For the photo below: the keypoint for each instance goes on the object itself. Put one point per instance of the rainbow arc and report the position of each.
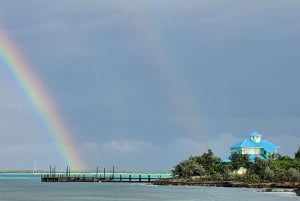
(42, 102)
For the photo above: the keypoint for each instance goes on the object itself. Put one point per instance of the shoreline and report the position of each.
(234, 184)
(293, 187)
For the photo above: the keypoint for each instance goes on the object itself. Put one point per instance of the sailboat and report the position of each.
(35, 171)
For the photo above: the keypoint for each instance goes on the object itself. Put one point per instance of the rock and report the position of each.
(297, 191)
(267, 190)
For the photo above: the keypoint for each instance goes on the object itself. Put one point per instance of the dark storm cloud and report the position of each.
(225, 68)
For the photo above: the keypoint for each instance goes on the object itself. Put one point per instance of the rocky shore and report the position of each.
(176, 182)
(267, 185)
(297, 191)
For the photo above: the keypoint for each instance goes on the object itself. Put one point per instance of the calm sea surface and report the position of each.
(27, 187)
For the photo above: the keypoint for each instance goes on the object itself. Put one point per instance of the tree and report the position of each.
(239, 160)
(205, 165)
(292, 175)
(269, 174)
(259, 167)
(188, 168)
(297, 154)
(209, 167)
(183, 169)
(198, 170)
(210, 162)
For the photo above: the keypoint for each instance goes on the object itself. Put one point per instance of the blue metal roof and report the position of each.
(226, 160)
(266, 145)
(255, 133)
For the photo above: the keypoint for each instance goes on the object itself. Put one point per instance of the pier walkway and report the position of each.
(67, 176)
(94, 178)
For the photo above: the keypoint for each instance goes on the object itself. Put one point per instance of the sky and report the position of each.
(143, 85)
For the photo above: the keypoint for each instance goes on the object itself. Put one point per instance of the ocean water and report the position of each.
(27, 187)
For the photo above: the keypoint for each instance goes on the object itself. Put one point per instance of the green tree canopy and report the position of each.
(297, 154)
(203, 165)
(209, 167)
(239, 160)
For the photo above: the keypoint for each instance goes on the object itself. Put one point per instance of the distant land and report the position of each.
(92, 171)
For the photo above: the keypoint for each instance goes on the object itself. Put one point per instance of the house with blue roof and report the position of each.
(255, 146)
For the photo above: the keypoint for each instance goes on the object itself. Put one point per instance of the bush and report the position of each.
(254, 178)
(292, 175)
(269, 174)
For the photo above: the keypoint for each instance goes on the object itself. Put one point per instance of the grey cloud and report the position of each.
(223, 69)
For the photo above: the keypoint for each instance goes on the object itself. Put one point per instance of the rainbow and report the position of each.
(40, 99)
(167, 70)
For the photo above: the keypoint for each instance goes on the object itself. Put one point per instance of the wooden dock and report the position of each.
(53, 176)
(100, 178)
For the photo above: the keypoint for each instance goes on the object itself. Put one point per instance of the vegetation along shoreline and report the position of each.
(184, 182)
(209, 170)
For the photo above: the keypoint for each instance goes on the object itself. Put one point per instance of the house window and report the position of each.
(258, 151)
(251, 151)
(247, 150)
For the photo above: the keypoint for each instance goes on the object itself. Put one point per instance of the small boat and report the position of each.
(35, 171)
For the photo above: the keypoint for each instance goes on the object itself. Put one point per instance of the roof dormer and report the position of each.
(255, 137)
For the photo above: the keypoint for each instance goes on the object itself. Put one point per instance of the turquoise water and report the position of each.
(26, 187)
